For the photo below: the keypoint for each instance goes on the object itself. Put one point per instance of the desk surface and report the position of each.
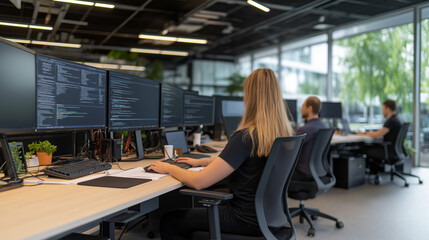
(351, 138)
(43, 211)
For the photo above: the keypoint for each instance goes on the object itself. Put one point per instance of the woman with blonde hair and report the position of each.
(243, 160)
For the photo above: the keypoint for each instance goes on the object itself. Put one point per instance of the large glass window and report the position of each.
(424, 90)
(304, 70)
(370, 68)
(211, 77)
(267, 59)
(245, 65)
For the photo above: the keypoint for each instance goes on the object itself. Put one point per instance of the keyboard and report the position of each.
(77, 169)
(195, 155)
(170, 161)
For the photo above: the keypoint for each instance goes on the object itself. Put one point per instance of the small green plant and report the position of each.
(44, 146)
(29, 155)
(236, 84)
(16, 152)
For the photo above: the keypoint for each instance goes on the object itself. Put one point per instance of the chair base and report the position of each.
(310, 214)
(394, 173)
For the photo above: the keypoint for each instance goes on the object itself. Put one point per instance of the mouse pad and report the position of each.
(114, 182)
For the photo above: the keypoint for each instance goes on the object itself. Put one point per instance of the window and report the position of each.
(304, 70)
(370, 68)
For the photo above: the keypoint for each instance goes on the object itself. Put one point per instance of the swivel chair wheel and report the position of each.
(311, 232)
(313, 217)
(406, 185)
(420, 181)
(339, 224)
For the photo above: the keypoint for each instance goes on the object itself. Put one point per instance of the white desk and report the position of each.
(351, 138)
(44, 211)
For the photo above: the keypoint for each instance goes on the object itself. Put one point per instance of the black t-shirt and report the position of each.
(393, 124)
(244, 181)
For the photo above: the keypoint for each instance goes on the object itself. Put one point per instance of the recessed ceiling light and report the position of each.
(323, 26)
(258, 5)
(173, 39)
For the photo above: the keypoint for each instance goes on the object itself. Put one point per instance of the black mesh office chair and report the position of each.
(270, 200)
(323, 180)
(398, 159)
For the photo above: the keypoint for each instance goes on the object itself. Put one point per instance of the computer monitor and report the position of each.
(198, 110)
(17, 88)
(69, 95)
(178, 140)
(133, 102)
(171, 107)
(232, 108)
(218, 106)
(231, 124)
(331, 110)
(292, 107)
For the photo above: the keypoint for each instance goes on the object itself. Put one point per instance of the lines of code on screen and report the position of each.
(69, 95)
(133, 102)
(198, 110)
(172, 106)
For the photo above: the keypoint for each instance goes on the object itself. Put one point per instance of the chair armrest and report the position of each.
(207, 194)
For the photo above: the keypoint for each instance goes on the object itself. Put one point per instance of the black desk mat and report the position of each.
(114, 182)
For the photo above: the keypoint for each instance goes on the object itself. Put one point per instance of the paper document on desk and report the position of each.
(66, 182)
(138, 172)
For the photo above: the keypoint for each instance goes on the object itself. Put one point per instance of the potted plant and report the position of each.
(44, 151)
(31, 159)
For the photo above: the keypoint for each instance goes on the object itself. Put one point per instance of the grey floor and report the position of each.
(387, 211)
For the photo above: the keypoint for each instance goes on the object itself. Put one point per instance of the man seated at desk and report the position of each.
(310, 113)
(388, 133)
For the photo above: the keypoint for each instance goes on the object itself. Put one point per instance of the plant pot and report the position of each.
(33, 162)
(44, 158)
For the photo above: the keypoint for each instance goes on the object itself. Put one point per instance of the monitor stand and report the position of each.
(9, 166)
(139, 148)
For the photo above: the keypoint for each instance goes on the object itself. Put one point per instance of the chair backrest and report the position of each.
(319, 162)
(399, 143)
(270, 201)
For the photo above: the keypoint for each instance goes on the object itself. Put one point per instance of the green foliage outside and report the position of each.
(157, 71)
(236, 84)
(377, 66)
(44, 146)
(127, 56)
(16, 152)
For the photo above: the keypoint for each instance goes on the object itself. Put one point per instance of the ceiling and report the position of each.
(232, 27)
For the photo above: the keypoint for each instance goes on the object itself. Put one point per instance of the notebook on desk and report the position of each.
(178, 140)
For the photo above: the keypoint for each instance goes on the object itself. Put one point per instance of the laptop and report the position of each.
(178, 140)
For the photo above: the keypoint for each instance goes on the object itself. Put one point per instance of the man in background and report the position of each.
(389, 133)
(310, 113)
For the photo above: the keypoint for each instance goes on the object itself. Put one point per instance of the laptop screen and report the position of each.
(178, 140)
